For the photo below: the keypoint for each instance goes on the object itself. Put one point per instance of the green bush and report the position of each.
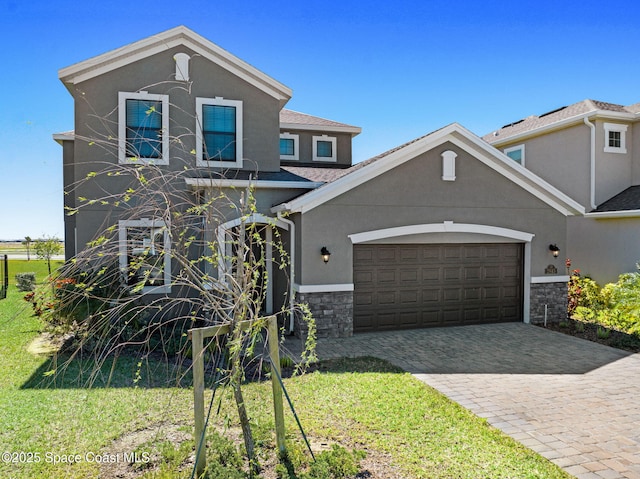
(616, 305)
(26, 281)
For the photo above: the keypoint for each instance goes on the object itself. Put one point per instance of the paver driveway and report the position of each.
(575, 402)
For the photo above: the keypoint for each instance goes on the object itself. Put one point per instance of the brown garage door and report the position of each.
(418, 286)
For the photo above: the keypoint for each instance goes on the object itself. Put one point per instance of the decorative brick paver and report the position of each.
(575, 402)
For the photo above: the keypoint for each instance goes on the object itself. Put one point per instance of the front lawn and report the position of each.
(406, 428)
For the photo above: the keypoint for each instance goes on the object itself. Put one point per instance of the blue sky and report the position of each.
(396, 69)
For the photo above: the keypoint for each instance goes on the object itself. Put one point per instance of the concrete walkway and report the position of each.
(575, 402)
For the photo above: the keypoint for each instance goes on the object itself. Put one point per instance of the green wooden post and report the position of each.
(278, 410)
(197, 355)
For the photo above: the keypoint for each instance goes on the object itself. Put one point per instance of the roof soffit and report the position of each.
(164, 41)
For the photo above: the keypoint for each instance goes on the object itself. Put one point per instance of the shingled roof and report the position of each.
(565, 113)
(627, 200)
(295, 120)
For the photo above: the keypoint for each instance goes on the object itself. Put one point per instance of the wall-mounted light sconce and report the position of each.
(555, 251)
(325, 254)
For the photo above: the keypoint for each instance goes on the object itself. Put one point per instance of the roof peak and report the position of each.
(163, 41)
(558, 115)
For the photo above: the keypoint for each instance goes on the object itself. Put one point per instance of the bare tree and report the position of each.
(168, 259)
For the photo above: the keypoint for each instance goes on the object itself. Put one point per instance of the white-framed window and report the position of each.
(145, 255)
(615, 138)
(289, 147)
(325, 148)
(219, 132)
(143, 128)
(516, 153)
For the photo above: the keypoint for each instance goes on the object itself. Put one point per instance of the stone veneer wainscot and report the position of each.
(333, 312)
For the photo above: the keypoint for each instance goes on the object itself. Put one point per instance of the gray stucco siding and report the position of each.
(613, 170)
(414, 193)
(562, 159)
(305, 148)
(604, 248)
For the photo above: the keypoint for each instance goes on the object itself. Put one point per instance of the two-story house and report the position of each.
(443, 230)
(589, 151)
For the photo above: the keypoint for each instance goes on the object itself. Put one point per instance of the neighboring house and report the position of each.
(589, 151)
(444, 230)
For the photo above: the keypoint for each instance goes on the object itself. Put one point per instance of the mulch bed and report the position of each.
(589, 331)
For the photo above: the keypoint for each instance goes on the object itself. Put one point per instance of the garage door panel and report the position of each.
(409, 255)
(409, 286)
(491, 294)
(386, 276)
(492, 273)
(472, 294)
(430, 274)
(409, 319)
(387, 255)
(452, 273)
(410, 298)
(473, 273)
(387, 321)
(510, 292)
(364, 278)
(387, 298)
(431, 295)
(451, 295)
(453, 253)
(363, 299)
(409, 276)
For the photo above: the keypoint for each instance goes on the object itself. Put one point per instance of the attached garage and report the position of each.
(403, 286)
(442, 231)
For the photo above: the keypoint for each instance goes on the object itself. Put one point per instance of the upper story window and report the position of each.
(219, 132)
(145, 255)
(143, 128)
(615, 138)
(516, 153)
(324, 148)
(289, 147)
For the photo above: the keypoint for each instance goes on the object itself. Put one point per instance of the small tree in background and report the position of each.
(46, 248)
(27, 243)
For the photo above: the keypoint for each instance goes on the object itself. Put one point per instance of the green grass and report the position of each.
(363, 404)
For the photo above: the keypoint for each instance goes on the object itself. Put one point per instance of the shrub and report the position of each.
(26, 281)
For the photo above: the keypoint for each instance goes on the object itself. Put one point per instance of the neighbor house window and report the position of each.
(516, 153)
(615, 140)
(143, 124)
(289, 147)
(324, 148)
(145, 255)
(219, 132)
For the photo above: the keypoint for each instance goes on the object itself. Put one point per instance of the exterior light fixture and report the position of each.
(325, 254)
(555, 251)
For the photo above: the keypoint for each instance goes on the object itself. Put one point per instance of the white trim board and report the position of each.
(549, 279)
(261, 184)
(322, 288)
(446, 227)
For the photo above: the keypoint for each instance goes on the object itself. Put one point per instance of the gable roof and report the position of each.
(181, 35)
(294, 120)
(457, 135)
(561, 117)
